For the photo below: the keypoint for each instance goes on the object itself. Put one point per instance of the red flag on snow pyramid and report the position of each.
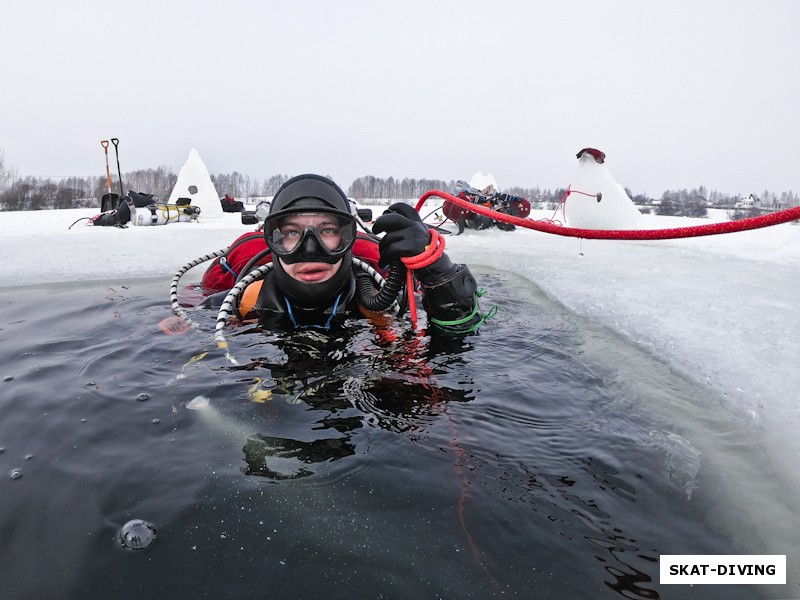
(595, 200)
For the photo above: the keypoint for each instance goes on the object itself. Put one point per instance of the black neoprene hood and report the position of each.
(298, 190)
(296, 195)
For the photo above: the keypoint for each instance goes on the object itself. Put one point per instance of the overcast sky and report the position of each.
(677, 94)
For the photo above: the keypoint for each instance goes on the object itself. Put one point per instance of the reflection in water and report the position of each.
(387, 378)
(281, 458)
(377, 379)
(534, 427)
(606, 476)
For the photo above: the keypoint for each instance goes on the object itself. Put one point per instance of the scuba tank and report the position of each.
(161, 214)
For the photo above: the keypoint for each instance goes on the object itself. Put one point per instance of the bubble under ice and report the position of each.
(137, 534)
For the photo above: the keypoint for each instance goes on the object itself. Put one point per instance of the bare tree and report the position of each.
(7, 173)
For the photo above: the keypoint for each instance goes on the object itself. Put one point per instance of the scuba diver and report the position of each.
(310, 233)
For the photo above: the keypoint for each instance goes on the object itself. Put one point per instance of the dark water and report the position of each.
(516, 463)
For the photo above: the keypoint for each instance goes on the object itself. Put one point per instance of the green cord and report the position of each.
(452, 326)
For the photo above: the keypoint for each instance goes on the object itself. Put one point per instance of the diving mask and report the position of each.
(305, 236)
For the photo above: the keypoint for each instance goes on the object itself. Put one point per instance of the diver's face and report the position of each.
(329, 232)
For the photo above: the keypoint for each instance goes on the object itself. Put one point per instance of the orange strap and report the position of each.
(247, 302)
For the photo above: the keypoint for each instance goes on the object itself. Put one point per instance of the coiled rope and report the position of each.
(776, 218)
(433, 251)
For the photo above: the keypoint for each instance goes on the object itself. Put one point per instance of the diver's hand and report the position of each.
(406, 234)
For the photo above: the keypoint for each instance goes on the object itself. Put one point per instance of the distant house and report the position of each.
(750, 202)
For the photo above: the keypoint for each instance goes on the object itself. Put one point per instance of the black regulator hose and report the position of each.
(387, 294)
(251, 264)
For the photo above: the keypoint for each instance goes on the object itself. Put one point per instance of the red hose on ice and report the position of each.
(776, 218)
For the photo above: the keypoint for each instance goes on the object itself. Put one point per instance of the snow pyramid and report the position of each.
(484, 183)
(607, 205)
(195, 183)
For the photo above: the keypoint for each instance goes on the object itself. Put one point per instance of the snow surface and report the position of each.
(722, 310)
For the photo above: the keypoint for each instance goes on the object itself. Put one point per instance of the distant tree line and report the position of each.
(33, 193)
(695, 203)
(380, 188)
(42, 193)
(243, 186)
(685, 203)
(369, 187)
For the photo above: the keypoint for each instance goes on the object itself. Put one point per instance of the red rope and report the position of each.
(427, 378)
(562, 203)
(433, 251)
(776, 218)
(413, 361)
(571, 191)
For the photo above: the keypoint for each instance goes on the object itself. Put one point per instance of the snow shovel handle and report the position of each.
(104, 144)
(115, 141)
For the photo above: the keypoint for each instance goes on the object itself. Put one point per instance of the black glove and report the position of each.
(406, 234)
